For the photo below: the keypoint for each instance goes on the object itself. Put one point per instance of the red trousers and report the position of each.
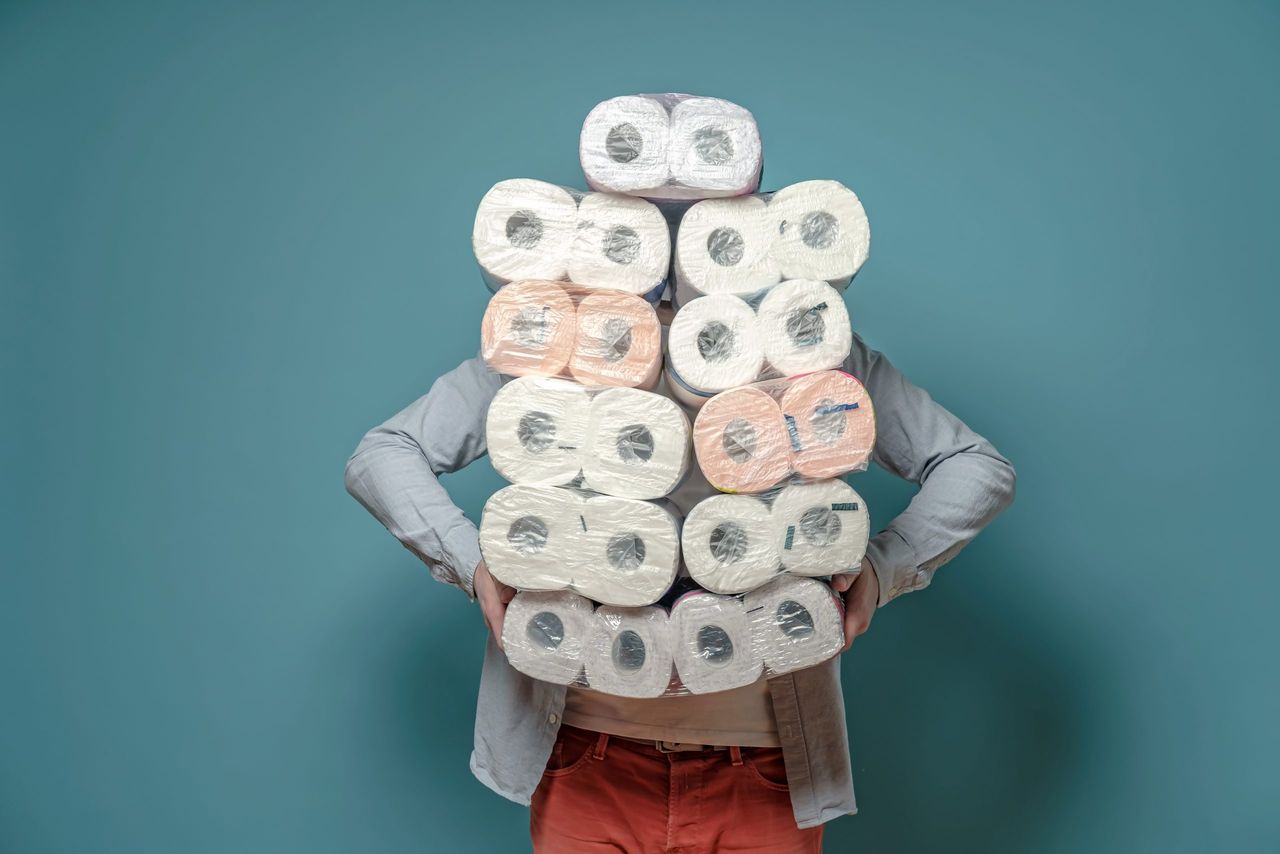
(601, 793)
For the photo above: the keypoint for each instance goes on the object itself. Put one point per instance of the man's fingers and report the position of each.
(841, 583)
(506, 595)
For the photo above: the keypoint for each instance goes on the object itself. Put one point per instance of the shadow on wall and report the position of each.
(964, 735)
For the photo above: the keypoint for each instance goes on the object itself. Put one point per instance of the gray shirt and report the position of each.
(964, 483)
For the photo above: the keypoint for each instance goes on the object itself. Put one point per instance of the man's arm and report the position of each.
(394, 470)
(964, 482)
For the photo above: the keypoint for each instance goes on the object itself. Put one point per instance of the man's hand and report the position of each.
(861, 594)
(493, 596)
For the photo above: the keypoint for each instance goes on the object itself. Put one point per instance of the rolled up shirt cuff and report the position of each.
(895, 565)
(462, 556)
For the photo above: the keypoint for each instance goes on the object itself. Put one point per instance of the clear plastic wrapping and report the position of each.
(723, 341)
(815, 230)
(527, 229)
(671, 147)
(599, 337)
(626, 442)
(704, 643)
(617, 551)
(813, 427)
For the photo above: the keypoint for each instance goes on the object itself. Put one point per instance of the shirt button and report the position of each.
(552, 718)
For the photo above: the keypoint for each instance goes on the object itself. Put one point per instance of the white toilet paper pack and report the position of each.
(822, 528)
(816, 230)
(714, 344)
(637, 444)
(527, 536)
(729, 543)
(628, 652)
(804, 326)
(671, 147)
(725, 246)
(796, 623)
(713, 643)
(526, 229)
(536, 430)
(628, 553)
(545, 635)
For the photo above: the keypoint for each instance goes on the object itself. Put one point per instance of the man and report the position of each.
(758, 768)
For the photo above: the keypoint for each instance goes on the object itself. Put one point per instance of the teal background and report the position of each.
(235, 236)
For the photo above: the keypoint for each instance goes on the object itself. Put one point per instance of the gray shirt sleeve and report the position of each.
(394, 470)
(964, 482)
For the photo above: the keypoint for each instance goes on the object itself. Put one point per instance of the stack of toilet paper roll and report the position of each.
(723, 341)
(816, 426)
(736, 543)
(606, 520)
(671, 147)
(597, 337)
(619, 551)
(526, 229)
(707, 642)
(617, 441)
(811, 230)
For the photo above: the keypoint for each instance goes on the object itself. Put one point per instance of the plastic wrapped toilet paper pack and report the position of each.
(805, 327)
(730, 543)
(713, 644)
(707, 643)
(826, 416)
(671, 147)
(536, 430)
(629, 652)
(722, 341)
(617, 551)
(598, 337)
(796, 623)
(616, 441)
(637, 444)
(724, 246)
(713, 344)
(628, 553)
(528, 534)
(815, 230)
(822, 526)
(545, 635)
(526, 229)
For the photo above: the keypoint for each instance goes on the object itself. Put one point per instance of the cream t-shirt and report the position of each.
(742, 716)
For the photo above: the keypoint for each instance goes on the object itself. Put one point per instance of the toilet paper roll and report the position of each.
(725, 246)
(796, 623)
(528, 329)
(822, 527)
(528, 535)
(545, 635)
(629, 553)
(623, 145)
(535, 430)
(831, 424)
(822, 232)
(637, 444)
(729, 544)
(524, 230)
(619, 341)
(805, 327)
(629, 651)
(715, 148)
(713, 646)
(741, 442)
(621, 243)
(713, 345)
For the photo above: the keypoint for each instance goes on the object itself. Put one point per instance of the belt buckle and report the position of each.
(677, 747)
